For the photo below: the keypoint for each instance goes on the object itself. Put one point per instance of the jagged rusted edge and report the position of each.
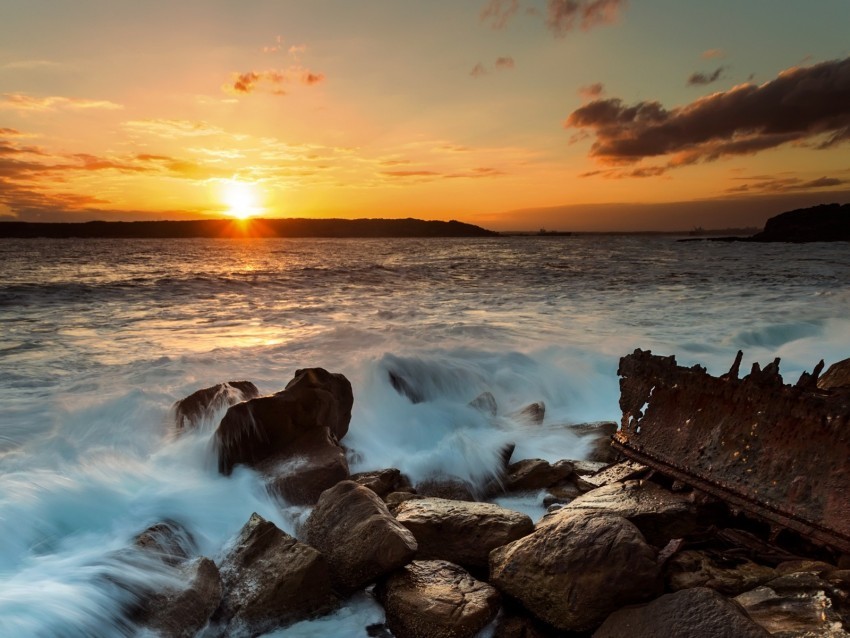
(816, 533)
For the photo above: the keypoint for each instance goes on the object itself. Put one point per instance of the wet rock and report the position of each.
(292, 437)
(461, 532)
(692, 613)
(660, 515)
(358, 536)
(182, 610)
(532, 414)
(203, 404)
(599, 436)
(561, 494)
(270, 580)
(312, 464)
(797, 605)
(486, 403)
(169, 541)
(574, 571)
(436, 599)
(837, 376)
(404, 387)
(586, 468)
(535, 474)
(383, 482)
(453, 489)
(727, 574)
(266, 427)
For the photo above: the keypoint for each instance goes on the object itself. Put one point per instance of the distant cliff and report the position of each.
(828, 222)
(212, 228)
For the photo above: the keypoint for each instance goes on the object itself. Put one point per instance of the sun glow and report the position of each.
(241, 198)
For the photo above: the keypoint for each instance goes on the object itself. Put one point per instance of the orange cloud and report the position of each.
(23, 102)
(564, 14)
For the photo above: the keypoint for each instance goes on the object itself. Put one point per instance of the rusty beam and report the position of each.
(778, 451)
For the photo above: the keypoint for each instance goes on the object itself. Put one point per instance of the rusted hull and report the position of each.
(779, 451)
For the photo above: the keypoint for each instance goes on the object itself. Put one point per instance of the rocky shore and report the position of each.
(624, 550)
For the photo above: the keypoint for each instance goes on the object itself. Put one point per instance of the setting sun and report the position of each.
(241, 198)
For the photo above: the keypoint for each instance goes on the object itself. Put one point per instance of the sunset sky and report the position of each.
(512, 114)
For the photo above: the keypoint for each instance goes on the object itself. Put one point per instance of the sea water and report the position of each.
(98, 338)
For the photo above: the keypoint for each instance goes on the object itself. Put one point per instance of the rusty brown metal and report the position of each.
(778, 451)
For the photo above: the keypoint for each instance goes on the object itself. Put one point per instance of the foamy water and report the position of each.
(98, 338)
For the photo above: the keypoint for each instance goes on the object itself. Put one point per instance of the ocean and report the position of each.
(98, 339)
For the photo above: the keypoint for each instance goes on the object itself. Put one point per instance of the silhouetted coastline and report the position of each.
(827, 222)
(225, 228)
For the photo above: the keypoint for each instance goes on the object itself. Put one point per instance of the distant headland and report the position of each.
(225, 228)
(827, 222)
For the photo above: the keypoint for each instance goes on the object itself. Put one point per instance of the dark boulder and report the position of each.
(183, 609)
(535, 474)
(532, 414)
(436, 599)
(692, 613)
(293, 436)
(270, 580)
(728, 574)
(572, 572)
(358, 536)
(383, 482)
(459, 531)
(203, 404)
(310, 465)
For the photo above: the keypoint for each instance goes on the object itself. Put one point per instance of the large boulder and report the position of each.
(436, 599)
(293, 436)
(361, 540)
(266, 427)
(691, 613)
(203, 404)
(459, 531)
(575, 570)
(659, 514)
(535, 474)
(270, 580)
(449, 487)
(312, 464)
(183, 609)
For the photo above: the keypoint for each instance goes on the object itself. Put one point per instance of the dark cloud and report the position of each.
(592, 91)
(478, 70)
(564, 15)
(803, 104)
(499, 12)
(701, 79)
(784, 184)
(505, 63)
